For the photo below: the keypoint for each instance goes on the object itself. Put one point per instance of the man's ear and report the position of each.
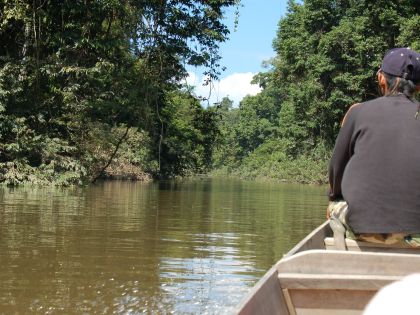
(382, 82)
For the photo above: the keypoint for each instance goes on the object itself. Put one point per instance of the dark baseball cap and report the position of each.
(403, 63)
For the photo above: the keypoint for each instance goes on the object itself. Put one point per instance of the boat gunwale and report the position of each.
(322, 230)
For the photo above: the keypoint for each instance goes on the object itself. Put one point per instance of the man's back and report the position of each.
(381, 182)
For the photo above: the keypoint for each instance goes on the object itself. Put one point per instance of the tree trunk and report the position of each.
(112, 155)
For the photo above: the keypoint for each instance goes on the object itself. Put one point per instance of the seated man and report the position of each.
(374, 172)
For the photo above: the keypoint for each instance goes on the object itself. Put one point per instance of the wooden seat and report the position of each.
(340, 242)
(347, 280)
(359, 246)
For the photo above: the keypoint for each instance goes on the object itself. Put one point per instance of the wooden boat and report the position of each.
(314, 278)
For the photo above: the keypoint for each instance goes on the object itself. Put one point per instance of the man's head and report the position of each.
(400, 72)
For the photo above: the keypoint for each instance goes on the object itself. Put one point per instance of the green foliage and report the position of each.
(328, 53)
(91, 88)
(74, 75)
(133, 160)
(257, 121)
(188, 136)
(227, 152)
(269, 162)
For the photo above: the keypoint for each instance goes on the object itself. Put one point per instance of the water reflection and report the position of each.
(187, 247)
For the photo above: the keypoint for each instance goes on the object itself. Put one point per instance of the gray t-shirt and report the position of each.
(375, 166)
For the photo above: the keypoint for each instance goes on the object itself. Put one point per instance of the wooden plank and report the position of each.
(331, 299)
(353, 245)
(351, 263)
(289, 302)
(323, 311)
(334, 281)
(265, 298)
(349, 242)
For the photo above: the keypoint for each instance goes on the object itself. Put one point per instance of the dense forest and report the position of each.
(94, 89)
(327, 56)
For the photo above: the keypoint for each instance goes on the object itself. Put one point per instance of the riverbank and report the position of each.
(20, 174)
(305, 170)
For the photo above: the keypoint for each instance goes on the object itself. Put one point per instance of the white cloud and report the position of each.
(235, 86)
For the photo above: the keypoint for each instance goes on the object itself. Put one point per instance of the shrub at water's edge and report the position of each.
(61, 164)
(268, 163)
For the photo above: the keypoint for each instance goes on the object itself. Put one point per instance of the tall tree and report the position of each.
(327, 55)
(68, 68)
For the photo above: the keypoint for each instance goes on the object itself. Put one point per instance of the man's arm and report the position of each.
(342, 153)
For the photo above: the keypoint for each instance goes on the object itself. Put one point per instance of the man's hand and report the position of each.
(328, 210)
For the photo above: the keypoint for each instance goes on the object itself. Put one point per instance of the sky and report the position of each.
(244, 52)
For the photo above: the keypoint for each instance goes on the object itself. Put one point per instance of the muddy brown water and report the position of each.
(185, 247)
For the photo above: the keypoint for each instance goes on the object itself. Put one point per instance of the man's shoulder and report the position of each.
(351, 112)
(378, 100)
(369, 105)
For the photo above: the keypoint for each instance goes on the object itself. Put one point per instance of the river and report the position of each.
(192, 246)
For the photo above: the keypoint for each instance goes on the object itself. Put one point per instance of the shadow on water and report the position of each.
(190, 246)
